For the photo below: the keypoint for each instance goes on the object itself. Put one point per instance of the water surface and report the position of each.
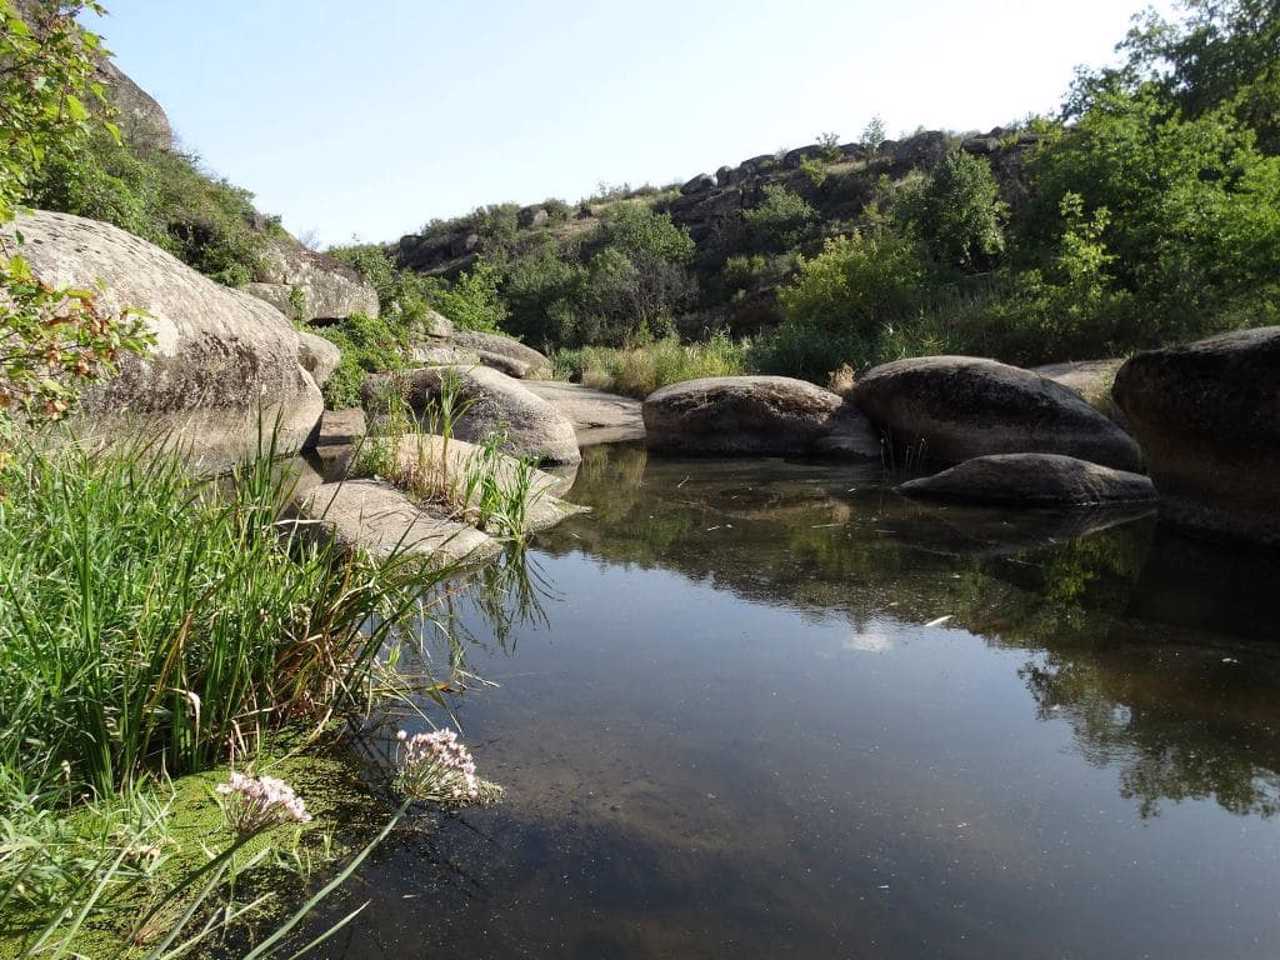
(739, 726)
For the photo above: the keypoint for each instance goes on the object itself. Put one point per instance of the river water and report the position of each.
(769, 709)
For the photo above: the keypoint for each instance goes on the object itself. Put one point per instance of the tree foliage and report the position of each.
(55, 340)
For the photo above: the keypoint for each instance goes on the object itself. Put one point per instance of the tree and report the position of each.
(1221, 53)
(959, 214)
(1194, 205)
(55, 340)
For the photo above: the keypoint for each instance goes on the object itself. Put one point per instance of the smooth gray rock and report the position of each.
(224, 362)
(1208, 417)
(374, 517)
(533, 427)
(318, 356)
(597, 417)
(439, 354)
(740, 415)
(959, 408)
(504, 353)
(1032, 480)
(330, 289)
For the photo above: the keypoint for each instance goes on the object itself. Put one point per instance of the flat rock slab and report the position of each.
(506, 354)
(341, 427)
(375, 517)
(1033, 480)
(597, 416)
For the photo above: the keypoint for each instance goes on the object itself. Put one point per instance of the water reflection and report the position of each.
(769, 708)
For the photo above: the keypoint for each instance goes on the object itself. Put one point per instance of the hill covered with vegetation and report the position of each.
(1146, 211)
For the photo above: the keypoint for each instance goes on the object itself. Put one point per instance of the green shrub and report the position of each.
(368, 345)
(959, 214)
(841, 301)
(159, 195)
(640, 368)
(781, 220)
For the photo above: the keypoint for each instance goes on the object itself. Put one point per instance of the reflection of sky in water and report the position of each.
(746, 741)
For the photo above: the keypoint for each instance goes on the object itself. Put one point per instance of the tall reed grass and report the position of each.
(152, 620)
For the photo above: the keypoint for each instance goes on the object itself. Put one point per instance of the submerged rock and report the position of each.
(959, 408)
(224, 363)
(775, 416)
(497, 403)
(1208, 417)
(376, 518)
(1032, 480)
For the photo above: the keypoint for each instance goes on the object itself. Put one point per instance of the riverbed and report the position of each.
(768, 708)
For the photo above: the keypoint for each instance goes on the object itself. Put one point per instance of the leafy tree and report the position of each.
(841, 302)
(780, 221)
(1193, 205)
(959, 213)
(1223, 52)
(55, 340)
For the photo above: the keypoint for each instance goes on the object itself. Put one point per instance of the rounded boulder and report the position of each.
(951, 409)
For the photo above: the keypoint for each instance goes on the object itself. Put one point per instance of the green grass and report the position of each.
(150, 618)
(639, 369)
(153, 623)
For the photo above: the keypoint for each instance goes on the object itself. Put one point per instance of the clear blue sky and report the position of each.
(370, 118)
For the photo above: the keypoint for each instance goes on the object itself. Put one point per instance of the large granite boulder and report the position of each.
(951, 409)
(1092, 379)
(504, 353)
(141, 119)
(327, 289)
(1032, 480)
(318, 356)
(1208, 418)
(494, 403)
(223, 362)
(740, 415)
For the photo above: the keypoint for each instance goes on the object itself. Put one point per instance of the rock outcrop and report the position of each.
(951, 409)
(222, 359)
(377, 517)
(318, 356)
(503, 353)
(1208, 418)
(494, 403)
(770, 416)
(597, 417)
(327, 289)
(1032, 480)
(1092, 379)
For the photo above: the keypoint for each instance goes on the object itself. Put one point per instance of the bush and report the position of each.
(782, 220)
(839, 305)
(959, 214)
(639, 369)
(368, 345)
(161, 196)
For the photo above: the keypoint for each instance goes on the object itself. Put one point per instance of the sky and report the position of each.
(365, 120)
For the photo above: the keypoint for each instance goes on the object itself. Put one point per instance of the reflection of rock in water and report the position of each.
(1201, 585)
(976, 531)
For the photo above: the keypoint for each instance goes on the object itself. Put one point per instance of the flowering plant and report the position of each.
(255, 803)
(438, 768)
